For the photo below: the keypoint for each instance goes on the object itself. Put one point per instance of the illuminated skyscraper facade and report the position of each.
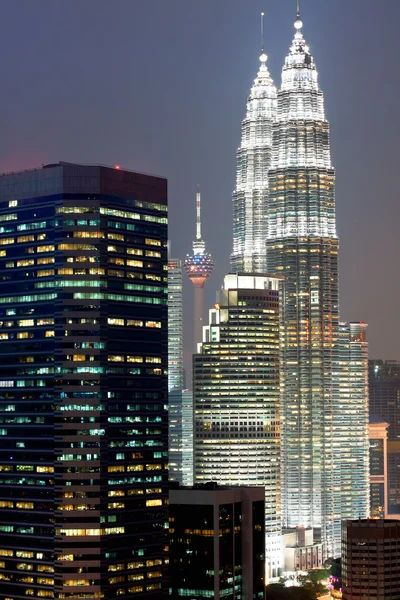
(350, 428)
(199, 267)
(175, 325)
(236, 396)
(180, 401)
(83, 383)
(250, 198)
(302, 245)
(384, 402)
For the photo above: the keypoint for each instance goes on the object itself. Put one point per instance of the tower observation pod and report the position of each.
(199, 265)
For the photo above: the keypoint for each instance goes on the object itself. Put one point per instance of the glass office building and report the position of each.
(350, 429)
(236, 396)
(384, 403)
(217, 542)
(175, 325)
(83, 383)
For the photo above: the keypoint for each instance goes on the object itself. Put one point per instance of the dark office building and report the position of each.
(371, 559)
(83, 384)
(217, 542)
(384, 403)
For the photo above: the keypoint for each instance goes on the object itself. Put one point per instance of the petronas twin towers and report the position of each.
(284, 223)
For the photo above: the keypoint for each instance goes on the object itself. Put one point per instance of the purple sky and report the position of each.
(160, 86)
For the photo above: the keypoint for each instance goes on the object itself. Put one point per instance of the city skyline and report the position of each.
(195, 96)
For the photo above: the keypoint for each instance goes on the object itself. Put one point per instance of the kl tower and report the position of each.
(199, 267)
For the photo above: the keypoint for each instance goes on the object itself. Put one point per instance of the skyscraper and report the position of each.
(302, 245)
(199, 267)
(378, 497)
(350, 428)
(384, 402)
(175, 325)
(180, 401)
(83, 387)
(250, 198)
(217, 542)
(236, 396)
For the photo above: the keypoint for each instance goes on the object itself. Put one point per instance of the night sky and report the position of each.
(160, 86)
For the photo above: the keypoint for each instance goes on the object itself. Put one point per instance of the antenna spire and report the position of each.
(198, 221)
(262, 33)
(298, 9)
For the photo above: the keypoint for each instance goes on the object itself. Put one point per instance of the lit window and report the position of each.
(112, 321)
(134, 323)
(26, 262)
(49, 333)
(156, 324)
(26, 322)
(135, 359)
(48, 248)
(46, 261)
(135, 251)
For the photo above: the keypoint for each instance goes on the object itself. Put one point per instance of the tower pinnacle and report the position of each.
(298, 24)
(198, 220)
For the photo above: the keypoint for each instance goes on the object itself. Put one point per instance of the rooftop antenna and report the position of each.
(298, 9)
(262, 32)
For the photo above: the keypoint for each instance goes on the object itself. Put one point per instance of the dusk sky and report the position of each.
(160, 86)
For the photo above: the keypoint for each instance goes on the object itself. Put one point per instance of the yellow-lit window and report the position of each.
(45, 260)
(154, 574)
(155, 467)
(49, 333)
(26, 505)
(156, 324)
(41, 236)
(4, 552)
(134, 359)
(3, 252)
(115, 273)
(134, 323)
(45, 322)
(153, 359)
(78, 357)
(26, 262)
(135, 251)
(134, 263)
(116, 236)
(45, 469)
(65, 271)
(153, 253)
(12, 203)
(151, 242)
(116, 469)
(116, 358)
(77, 247)
(47, 248)
(45, 273)
(4, 504)
(88, 234)
(6, 241)
(117, 261)
(23, 335)
(26, 322)
(135, 468)
(25, 238)
(3, 336)
(115, 321)
(96, 271)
